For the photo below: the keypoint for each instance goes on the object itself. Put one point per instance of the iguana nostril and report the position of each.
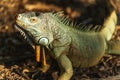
(18, 16)
(43, 41)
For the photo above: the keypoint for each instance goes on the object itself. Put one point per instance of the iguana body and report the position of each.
(69, 46)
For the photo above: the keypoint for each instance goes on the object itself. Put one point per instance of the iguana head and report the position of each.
(33, 26)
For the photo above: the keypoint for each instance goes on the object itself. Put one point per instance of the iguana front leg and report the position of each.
(64, 62)
(66, 65)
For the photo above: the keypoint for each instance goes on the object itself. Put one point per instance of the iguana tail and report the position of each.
(109, 26)
(113, 47)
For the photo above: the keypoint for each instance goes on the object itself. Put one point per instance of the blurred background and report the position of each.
(17, 58)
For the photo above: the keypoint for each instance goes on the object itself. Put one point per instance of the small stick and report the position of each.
(44, 58)
(37, 50)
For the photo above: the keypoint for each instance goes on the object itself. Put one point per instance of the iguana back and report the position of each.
(85, 52)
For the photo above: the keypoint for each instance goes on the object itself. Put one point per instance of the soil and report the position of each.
(17, 57)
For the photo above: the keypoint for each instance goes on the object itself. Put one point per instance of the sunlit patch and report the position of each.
(33, 20)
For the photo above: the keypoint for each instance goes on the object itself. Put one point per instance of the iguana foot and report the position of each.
(36, 73)
(55, 75)
(44, 68)
(40, 71)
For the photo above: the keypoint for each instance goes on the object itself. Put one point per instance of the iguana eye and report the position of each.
(33, 20)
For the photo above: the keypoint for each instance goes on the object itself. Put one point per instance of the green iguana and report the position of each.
(69, 46)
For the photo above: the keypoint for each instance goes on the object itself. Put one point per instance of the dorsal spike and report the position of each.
(95, 28)
(53, 12)
(80, 26)
(72, 24)
(83, 27)
(88, 28)
(65, 21)
(58, 13)
(75, 25)
(91, 26)
(99, 28)
(68, 23)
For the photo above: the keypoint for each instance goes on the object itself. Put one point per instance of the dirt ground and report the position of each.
(17, 57)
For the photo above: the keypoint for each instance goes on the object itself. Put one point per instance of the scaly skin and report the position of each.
(69, 46)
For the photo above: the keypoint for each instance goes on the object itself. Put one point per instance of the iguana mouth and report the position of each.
(25, 34)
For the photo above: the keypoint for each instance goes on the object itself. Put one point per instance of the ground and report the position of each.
(17, 57)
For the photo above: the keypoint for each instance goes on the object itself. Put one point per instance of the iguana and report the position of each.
(68, 45)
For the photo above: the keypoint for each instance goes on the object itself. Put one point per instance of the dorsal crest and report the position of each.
(82, 27)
